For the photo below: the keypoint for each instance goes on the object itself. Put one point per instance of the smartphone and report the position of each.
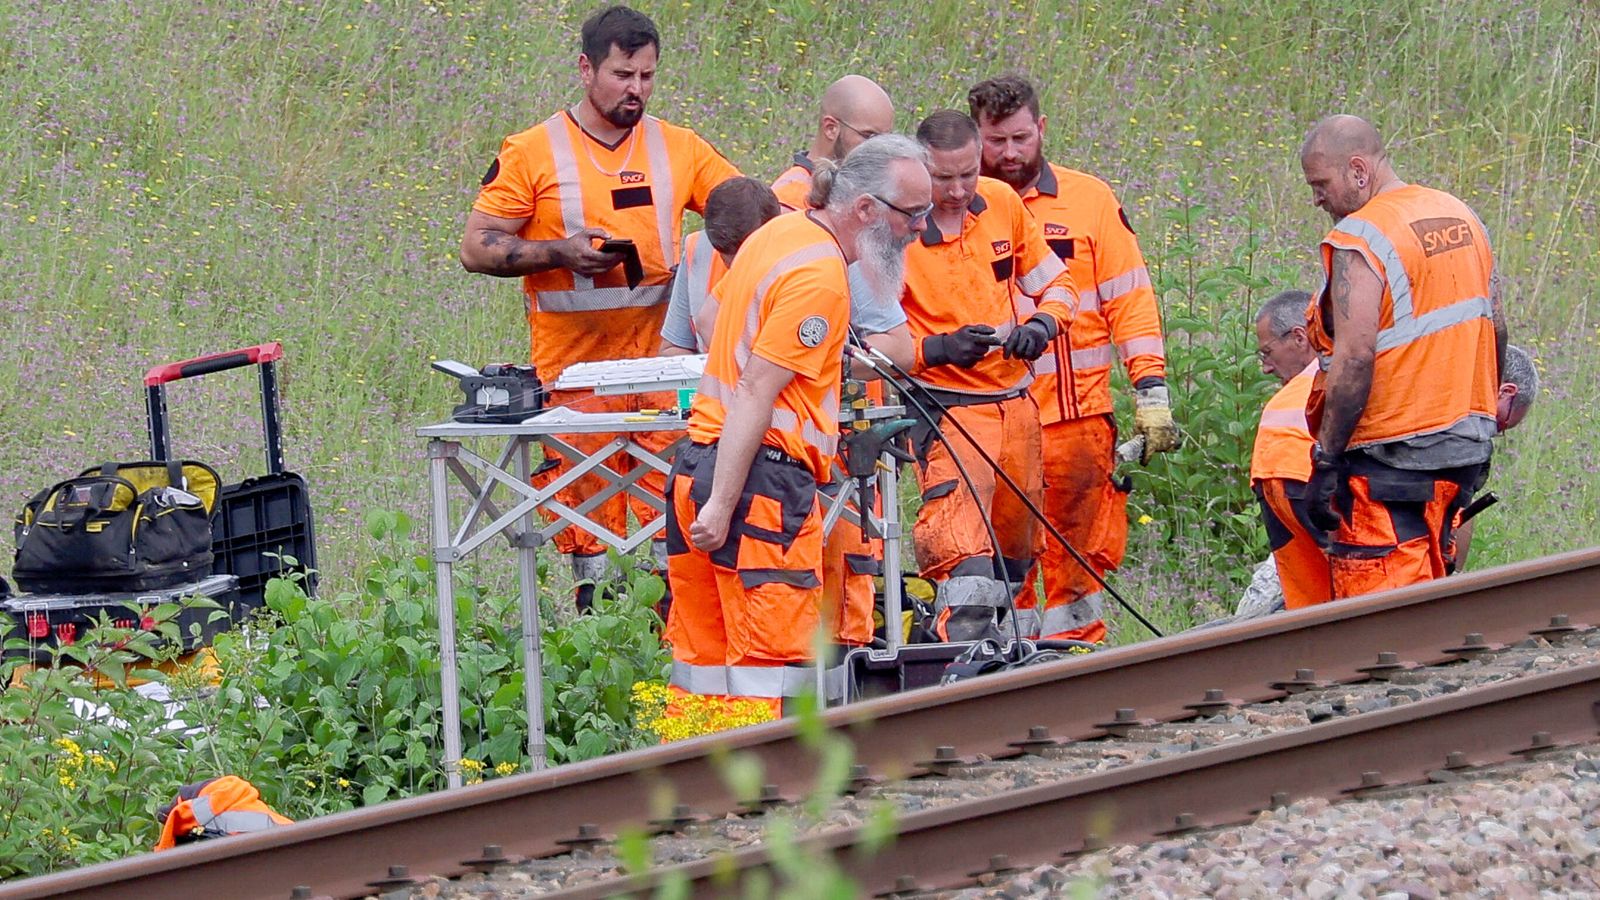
(632, 266)
(617, 245)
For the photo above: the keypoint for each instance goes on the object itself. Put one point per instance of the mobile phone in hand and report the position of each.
(617, 245)
(632, 266)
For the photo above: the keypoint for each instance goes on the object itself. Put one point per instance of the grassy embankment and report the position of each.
(187, 177)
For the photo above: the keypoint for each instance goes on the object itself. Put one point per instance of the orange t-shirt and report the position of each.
(998, 271)
(561, 179)
(786, 299)
(794, 185)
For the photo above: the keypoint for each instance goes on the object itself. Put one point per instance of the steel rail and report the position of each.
(529, 815)
(954, 845)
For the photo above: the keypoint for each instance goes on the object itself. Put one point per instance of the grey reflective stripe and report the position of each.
(1045, 364)
(569, 186)
(1394, 270)
(1080, 612)
(661, 191)
(715, 388)
(1402, 333)
(971, 590)
(770, 681)
(232, 822)
(1057, 294)
(696, 275)
(1093, 357)
(785, 419)
(1284, 418)
(800, 578)
(1113, 289)
(1151, 346)
(1036, 279)
(594, 299)
(699, 679)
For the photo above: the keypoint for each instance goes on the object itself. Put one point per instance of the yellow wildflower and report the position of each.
(505, 768)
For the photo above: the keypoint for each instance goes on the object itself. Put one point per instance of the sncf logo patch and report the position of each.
(1442, 234)
(1051, 229)
(1000, 247)
(631, 177)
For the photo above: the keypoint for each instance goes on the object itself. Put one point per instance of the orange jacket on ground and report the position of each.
(794, 185)
(786, 300)
(1436, 371)
(215, 808)
(1283, 439)
(561, 179)
(1117, 314)
(997, 271)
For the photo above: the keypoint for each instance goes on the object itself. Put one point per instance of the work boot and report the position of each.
(591, 571)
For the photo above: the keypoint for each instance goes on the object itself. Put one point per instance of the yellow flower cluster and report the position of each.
(72, 761)
(673, 717)
(473, 771)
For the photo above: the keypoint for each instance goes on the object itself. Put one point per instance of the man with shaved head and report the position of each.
(854, 108)
(1411, 334)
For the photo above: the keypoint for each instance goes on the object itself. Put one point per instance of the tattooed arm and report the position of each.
(1356, 295)
(491, 246)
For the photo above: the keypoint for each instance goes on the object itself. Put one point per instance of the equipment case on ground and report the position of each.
(50, 620)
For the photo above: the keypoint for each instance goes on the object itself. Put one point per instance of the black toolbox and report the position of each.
(259, 520)
(50, 620)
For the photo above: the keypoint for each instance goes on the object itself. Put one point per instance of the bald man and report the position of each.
(854, 108)
(1411, 335)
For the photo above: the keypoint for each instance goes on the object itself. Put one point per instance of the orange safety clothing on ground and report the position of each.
(561, 179)
(1117, 316)
(214, 808)
(744, 613)
(794, 185)
(1422, 444)
(952, 543)
(1083, 500)
(1436, 373)
(1280, 466)
(997, 271)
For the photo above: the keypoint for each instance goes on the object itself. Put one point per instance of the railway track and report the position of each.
(1170, 680)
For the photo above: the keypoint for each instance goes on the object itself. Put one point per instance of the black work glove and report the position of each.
(1028, 340)
(1323, 500)
(962, 347)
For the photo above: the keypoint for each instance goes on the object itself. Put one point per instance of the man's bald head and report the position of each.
(854, 108)
(1345, 164)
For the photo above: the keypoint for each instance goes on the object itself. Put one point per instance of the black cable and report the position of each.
(909, 386)
(997, 560)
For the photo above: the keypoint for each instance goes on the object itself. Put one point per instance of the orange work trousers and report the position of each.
(949, 535)
(612, 513)
(1399, 525)
(1303, 569)
(849, 561)
(1083, 502)
(744, 615)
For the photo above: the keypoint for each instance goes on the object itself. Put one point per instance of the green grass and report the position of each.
(180, 178)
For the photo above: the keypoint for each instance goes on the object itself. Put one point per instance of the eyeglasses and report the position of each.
(1265, 349)
(865, 135)
(910, 214)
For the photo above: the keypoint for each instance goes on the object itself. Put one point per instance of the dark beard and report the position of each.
(1026, 176)
(623, 118)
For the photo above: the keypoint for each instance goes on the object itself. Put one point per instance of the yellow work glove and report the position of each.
(1152, 420)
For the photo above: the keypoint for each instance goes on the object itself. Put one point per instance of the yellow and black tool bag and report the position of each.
(118, 527)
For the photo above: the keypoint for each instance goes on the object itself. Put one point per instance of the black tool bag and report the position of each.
(119, 527)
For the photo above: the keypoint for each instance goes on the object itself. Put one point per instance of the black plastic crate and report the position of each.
(874, 673)
(259, 521)
(50, 620)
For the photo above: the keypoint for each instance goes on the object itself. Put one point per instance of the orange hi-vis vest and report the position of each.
(997, 271)
(701, 269)
(1283, 439)
(794, 185)
(215, 808)
(561, 180)
(1117, 314)
(1436, 368)
(786, 299)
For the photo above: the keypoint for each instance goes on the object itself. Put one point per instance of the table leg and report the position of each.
(889, 490)
(532, 648)
(439, 453)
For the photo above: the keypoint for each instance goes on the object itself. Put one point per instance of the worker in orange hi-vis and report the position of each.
(744, 527)
(985, 297)
(1280, 465)
(599, 171)
(1413, 341)
(854, 108)
(736, 208)
(1117, 319)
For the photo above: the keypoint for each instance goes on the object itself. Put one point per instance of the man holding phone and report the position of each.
(587, 208)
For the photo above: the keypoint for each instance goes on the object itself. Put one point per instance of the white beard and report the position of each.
(883, 260)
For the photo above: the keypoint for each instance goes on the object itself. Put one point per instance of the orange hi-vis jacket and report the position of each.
(786, 299)
(561, 180)
(699, 269)
(1117, 314)
(1283, 440)
(794, 185)
(1436, 368)
(997, 271)
(215, 808)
